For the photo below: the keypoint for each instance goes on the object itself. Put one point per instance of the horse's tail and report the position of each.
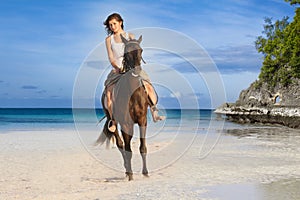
(105, 135)
(101, 139)
(101, 120)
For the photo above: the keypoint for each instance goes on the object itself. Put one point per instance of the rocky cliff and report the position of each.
(261, 103)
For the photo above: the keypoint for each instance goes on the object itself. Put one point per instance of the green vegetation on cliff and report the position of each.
(281, 49)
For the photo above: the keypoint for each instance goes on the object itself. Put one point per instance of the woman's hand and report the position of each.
(122, 70)
(117, 70)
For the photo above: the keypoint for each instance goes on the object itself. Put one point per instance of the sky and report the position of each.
(44, 45)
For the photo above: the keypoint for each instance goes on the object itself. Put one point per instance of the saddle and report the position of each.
(123, 89)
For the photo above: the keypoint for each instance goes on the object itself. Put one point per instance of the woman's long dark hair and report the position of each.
(115, 16)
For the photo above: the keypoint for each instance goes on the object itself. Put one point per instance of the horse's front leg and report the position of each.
(127, 153)
(143, 149)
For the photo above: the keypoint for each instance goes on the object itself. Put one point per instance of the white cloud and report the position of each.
(176, 94)
(44, 43)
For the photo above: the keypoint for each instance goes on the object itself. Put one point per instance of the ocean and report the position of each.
(27, 119)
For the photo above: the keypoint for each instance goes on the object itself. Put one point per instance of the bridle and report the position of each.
(132, 57)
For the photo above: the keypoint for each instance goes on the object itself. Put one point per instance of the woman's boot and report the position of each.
(111, 125)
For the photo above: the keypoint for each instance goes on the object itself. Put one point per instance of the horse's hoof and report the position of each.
(145, 173)
(130, 176)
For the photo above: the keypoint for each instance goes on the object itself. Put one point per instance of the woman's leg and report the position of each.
(111, 124)
(151, 93)
(153, 98)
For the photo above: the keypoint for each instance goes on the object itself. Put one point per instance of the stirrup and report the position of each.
(111, 125)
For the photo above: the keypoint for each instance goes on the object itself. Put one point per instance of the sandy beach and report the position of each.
(54, 164)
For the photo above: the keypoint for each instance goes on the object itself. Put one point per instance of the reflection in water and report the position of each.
(276, 140)
(280, 190)
(264, 132)
(285, 139)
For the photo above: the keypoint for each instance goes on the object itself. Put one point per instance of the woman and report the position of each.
(115, 50)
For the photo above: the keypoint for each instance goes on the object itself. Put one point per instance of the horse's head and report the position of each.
(132, 53)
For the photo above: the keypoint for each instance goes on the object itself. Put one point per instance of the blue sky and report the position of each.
(44, 43)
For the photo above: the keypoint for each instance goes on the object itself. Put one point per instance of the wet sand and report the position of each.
(254, 163)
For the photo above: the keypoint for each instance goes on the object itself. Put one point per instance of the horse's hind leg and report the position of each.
(143, 149)
(127, 154)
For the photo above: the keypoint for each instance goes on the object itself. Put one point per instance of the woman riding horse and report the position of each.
(131, 105)
(115, 50)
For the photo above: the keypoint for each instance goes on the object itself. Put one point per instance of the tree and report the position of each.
(293, 2)
(292, 49)
(280, 46)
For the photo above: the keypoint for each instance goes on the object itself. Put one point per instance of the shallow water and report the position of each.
(286, 189)
(281, 147)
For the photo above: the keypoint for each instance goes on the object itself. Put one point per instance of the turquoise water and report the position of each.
(16, 119)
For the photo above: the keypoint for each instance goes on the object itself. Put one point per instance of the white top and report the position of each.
(118, 50)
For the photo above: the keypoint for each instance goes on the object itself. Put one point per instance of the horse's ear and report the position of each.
(123, 39)
(140, 39)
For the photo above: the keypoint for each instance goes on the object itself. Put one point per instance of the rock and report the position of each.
(262, 104)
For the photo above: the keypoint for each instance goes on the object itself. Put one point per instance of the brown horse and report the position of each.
(130, 106)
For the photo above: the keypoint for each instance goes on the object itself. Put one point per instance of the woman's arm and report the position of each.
(111, 55)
